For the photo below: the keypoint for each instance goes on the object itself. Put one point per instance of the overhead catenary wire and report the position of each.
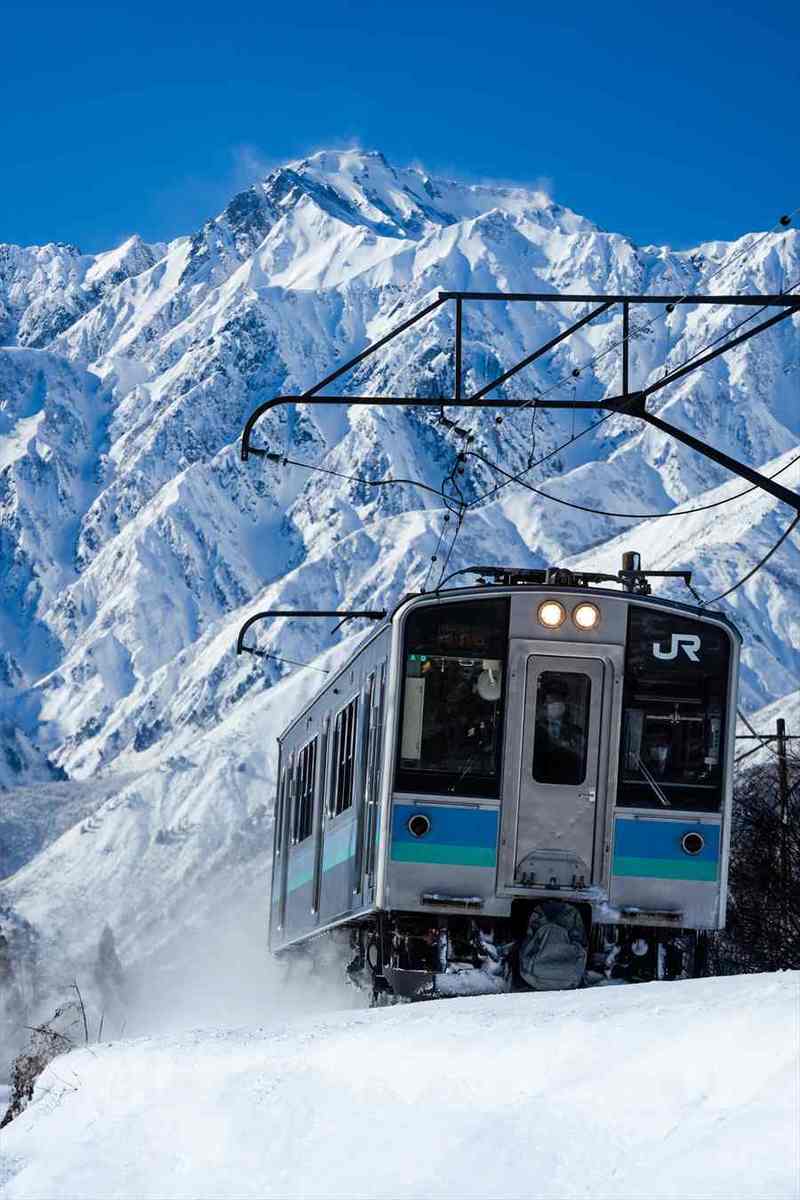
(761, 562)
(599, 512)
(434, 557)
(764, 744)
(458, 504)
(315, 467)
(278, 658)
(459, 500)
(454, 503)
(782, 223)
(446, 563)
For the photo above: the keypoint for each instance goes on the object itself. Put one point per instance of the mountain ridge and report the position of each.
(133, 541)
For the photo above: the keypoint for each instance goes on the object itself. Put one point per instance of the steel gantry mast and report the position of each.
(630, 402)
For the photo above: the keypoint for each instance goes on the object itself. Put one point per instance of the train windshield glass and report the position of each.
(452, 700)
(674, 712)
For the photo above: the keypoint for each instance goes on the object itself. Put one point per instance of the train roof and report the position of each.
(607, 593)
(499, 590)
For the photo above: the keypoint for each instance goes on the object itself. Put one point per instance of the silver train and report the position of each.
(490, 749)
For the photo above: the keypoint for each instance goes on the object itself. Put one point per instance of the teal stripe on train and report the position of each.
(458, 837)
(339, 846)
(652, 849)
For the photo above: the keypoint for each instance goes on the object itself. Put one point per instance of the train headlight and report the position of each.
(692, 843)
(586, 616)
(419, 825)
(551, 614)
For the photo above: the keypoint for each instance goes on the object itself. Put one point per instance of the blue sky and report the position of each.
(670, 122)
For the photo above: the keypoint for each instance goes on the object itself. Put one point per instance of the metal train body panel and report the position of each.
(451, 788)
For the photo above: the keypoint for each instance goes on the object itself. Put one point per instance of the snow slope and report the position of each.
(686, 1091)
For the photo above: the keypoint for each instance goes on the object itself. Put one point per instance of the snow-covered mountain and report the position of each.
(133, 542)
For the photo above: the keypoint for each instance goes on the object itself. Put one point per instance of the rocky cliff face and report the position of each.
(133, 542)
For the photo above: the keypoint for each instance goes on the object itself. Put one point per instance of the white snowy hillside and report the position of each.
(136, 750)
(669, 1090)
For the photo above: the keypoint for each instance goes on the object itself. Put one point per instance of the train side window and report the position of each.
(306, 774)
(561, 738)
(344, 750)
(280, 810)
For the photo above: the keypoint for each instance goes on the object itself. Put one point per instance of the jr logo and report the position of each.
(689, 642)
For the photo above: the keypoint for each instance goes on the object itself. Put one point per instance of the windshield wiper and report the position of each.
(653, 783)
(466, 771)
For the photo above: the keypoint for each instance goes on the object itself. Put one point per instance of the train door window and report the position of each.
(344, 745)
(561, 738)
(453, 695)
(306, 774)
(674, 712)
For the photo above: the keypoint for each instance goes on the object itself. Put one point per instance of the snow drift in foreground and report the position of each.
(666, 1090)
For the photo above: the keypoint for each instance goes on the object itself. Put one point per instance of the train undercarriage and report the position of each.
(403, 957)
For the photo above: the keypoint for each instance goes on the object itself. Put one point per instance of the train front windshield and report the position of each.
(451, 725)
(674, 712)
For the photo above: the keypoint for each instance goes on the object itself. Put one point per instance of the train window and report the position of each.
(306, 774)
(280, 809)
(674, 712)
(452, 700)
(344, 752)
(561, 738)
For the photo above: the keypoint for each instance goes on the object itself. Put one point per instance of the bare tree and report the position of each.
(763, 928)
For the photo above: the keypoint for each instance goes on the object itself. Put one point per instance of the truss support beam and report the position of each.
(706, 358)
(732, 464)
(393, 333)
(777, 299)
(370, 402)
(531, 358)
(630, 403)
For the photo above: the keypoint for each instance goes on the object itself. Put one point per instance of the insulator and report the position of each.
(575, 372)
(785, 219)
(498, 420)
(670, 307)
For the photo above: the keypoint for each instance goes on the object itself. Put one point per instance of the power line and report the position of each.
(446, 563)
(782, 223)
(633, 516)
(435, 555)
(291, 661)
(551, 454)
(764, 744)
(761, 562)
(293, 462)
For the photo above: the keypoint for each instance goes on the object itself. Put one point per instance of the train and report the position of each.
(522, 782)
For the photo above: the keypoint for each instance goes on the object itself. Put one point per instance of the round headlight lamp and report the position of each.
(692, 843)
(551, 614)
(586, 616)
(418, 825)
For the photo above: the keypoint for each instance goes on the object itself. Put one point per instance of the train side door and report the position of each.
(562, 732)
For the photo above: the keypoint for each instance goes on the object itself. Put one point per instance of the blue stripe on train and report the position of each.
(449, 826)
(662, 839)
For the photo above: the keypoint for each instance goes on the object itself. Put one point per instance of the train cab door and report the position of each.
(562, 743)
